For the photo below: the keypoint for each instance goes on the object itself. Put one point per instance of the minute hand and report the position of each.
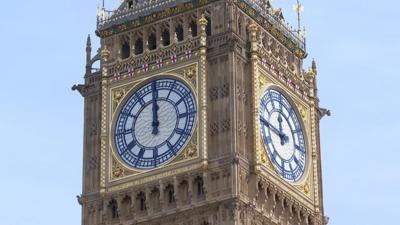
(266, 123)
(155, 122)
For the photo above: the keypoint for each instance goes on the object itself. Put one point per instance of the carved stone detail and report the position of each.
(219, 92)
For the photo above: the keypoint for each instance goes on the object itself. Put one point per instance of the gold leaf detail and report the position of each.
(264, 158)
(189, 73)
(306, 188)
(118, 95)
(117, 171)
(190, 151)
(303, 113)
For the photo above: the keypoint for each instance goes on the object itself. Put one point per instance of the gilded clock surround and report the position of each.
(223, 176)
(189, 76)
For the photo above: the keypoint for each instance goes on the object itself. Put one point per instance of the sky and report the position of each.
(42, 54)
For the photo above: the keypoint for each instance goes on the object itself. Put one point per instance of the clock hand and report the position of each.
(282, 135)
(155, 122)
(266, 123)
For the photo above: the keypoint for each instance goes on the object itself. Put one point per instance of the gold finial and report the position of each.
(310, 74)
(105, 53)
(203, 33)
(298, 8)
(203, 21)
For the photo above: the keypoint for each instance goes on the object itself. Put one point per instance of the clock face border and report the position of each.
(137, 84)
(289, 98)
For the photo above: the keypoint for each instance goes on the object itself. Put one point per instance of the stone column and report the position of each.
(162, 197)
(203, 89)
(253, 29)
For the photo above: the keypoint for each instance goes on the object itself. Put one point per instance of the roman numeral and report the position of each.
(181, 132)
(131, 145)
(300, 148)
(186, 114)
(169, 145)
(268, 140)
(171, 88)
(183, 98)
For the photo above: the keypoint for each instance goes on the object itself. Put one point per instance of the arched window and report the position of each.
(125, 50)
(169, 192)
(166, 37)
(199, 184)
(208, 27)
(152, 41)
(171, 198)
(193, 28)
(138, 46)
(141, 199)
(179, 32)
(113, 206)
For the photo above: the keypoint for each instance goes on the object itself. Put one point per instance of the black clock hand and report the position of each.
(282, 135)
(155, 122)
(266, 123)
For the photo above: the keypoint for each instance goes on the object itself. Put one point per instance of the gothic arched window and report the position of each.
(193, 28)
(166, 37)
(138, 46)
(125, 50)
(199, 184)
(179, 32)
(152, 41)
(208, 27)
(141, 199)
(113, 206)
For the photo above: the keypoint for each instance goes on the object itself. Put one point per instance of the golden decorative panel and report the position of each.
(114, 95)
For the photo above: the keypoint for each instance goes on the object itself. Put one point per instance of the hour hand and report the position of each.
(282, 135)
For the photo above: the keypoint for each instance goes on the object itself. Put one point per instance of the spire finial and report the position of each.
(298, 8)
(88, 41)
(88, 50)
(314, 66)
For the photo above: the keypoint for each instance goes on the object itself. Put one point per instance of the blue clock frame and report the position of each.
(283, 135)
(155, 123)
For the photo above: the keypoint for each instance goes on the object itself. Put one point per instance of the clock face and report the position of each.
(155, 123)
(282, 135)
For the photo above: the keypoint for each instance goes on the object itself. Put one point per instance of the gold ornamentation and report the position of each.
(309, 75)
(264, 158)
(191, 151)
(306, 188)
(203, 21)
(118, 95)
(303, 113)
(105, 53)
(117, 171)
(190, 74)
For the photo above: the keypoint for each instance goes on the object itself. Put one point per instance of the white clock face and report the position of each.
(282, 135)
(155, 124)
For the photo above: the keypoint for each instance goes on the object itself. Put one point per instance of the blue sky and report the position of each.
(42, 54)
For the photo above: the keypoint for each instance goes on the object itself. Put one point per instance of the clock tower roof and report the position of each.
(132, 9)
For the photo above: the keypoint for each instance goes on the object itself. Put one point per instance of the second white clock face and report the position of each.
(283, 135)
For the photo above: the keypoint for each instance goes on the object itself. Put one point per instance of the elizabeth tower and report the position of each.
(200, 113)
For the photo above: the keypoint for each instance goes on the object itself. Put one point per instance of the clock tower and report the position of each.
(200, 113)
